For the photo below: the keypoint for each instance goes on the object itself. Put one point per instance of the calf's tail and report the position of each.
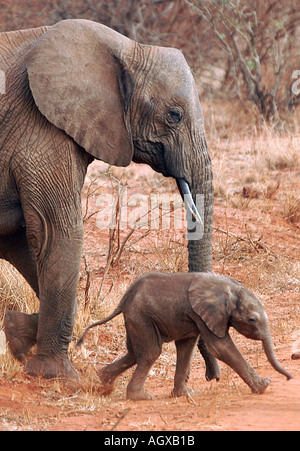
(115, 313)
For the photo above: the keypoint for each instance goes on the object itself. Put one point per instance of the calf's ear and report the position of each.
(211, 302)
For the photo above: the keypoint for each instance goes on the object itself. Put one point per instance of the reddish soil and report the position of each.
(30, 404)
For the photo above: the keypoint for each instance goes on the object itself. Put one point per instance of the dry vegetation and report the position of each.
(256, 241)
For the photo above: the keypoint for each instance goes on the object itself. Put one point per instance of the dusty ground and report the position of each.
(256, 240)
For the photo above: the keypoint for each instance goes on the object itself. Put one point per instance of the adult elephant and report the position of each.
(75, 91)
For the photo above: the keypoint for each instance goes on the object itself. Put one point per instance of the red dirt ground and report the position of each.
(24, 406)
(27, 403)
(228, 405)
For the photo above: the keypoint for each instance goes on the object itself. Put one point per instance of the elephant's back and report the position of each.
(15, 98)
(15, 44)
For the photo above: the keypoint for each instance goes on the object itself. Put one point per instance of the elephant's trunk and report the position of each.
(200, 246)
(269, 351)
(200, 242)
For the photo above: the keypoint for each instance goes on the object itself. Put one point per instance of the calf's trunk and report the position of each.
(269, 351)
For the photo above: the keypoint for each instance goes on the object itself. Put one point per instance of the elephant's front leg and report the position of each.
(58, 270)
(211, 363)
(185, 350)
(224, 349)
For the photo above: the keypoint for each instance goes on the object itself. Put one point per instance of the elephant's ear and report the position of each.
(77, 80)
(210, 300)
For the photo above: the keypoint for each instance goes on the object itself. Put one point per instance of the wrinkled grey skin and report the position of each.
(161, 307)
(74, 92)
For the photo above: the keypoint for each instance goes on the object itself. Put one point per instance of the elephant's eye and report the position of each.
(175, 115)
(251, 320)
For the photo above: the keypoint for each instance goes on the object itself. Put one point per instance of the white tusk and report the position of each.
(188, 200)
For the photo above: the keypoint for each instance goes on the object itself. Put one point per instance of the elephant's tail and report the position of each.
(116, 312)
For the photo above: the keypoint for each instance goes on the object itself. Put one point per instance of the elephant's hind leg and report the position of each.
(147, 347)
(135, 388)
(20, 331)
(15, 249)
(113, 370)
(20, 328)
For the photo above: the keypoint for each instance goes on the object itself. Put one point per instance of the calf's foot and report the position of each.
(138, 395)
(261, 386)
(181, 391)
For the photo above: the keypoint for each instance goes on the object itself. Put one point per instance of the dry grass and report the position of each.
(259, 162)
(15, 293)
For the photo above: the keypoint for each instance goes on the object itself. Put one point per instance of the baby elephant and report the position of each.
(161, 307)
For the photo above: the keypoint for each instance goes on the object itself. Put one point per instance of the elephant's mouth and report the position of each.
(151, 153)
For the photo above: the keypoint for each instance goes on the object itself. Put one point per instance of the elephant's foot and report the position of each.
(106, 381)
(212, 366)
(106, 389)
(212, 372)
(261, 386)
(138, 395)
(50, 367)
(181, 391)
(20, 330)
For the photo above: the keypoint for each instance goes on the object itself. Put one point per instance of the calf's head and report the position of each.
(221, 303)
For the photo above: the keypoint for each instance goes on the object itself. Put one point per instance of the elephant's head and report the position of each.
(221, 303)
(122, 101)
